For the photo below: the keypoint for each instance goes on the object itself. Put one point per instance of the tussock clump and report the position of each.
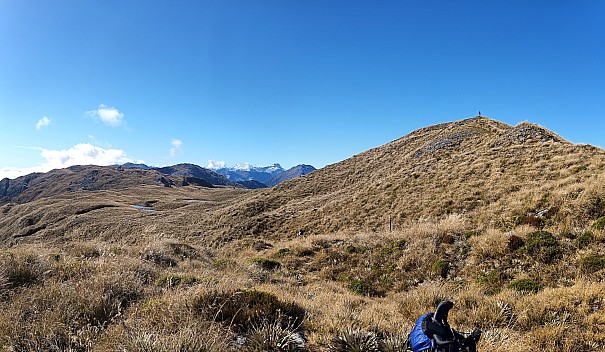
(352, 340)
(68, 315)
(492, 244)
(275, 336)
(394, 342)
(242, 310)
(169, 253)
(198, 338)
(21, 270)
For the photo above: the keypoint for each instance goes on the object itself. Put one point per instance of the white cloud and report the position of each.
(80, 154)
(216, 164)
(176, 145)
(108, 115)
(11, 172)
(43, 122)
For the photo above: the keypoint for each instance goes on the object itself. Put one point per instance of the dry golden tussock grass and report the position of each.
(503, 221)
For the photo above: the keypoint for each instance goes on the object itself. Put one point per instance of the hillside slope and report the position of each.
(88, 178)
(293, 172)
(508, 222)
(479, 167)
(475, 166)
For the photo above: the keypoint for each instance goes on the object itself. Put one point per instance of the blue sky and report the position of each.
(290, 82)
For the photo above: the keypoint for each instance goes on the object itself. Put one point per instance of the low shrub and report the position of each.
(584, 239)
(525, 286)
(593, 263)
(267, 264)
(471, 233)
(361, 287)
(599, 224)
(492, 281)
(441, 267)
(176, 280)
(543, 246)
(283, 252)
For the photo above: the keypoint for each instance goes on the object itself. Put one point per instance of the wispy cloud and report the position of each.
(43, 122)
(108, 115)
(177, 144)
(216, 164)
(80, 154)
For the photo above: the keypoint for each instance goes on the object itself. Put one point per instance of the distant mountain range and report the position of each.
(246, 172)
(269, 176)
(93, 178)
(242, 175)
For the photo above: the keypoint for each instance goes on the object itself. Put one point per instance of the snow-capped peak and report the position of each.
(244, 166)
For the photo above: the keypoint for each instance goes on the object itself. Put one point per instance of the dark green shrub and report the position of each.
(580, 168)
(242, 310)
(400, 244)
(176, 280)
(584, 239)
(350, 249)
(471, 233)
(543, 246)
(593, 263)
(266, 264)
(599, 224)
(361, 287)
(517, 219)
(441, 267)
(390, 248)
(525, 286)
(492, 281)
(305, 252)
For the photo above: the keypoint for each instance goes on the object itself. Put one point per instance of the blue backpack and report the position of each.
(418, 339)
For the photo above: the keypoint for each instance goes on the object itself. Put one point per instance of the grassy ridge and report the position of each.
(505, 221)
